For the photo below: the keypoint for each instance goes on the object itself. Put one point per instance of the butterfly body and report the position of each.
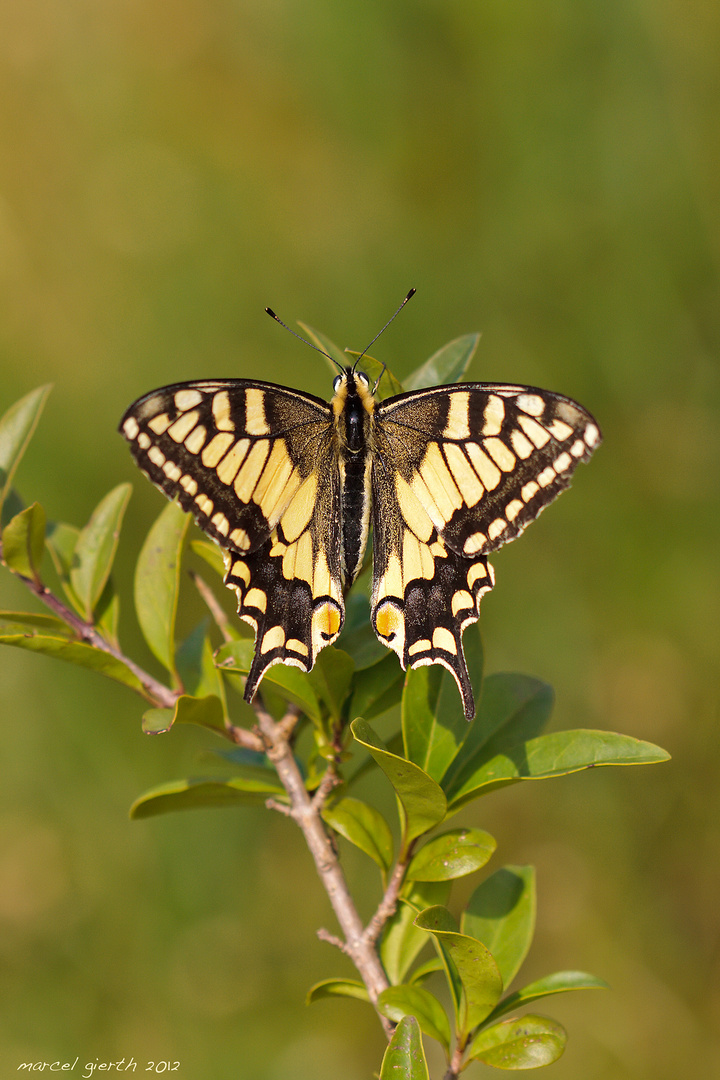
(288, 485)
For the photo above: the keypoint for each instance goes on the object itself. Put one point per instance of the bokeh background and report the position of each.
(546, 173)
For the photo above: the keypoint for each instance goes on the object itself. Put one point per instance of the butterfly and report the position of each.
(289, 485)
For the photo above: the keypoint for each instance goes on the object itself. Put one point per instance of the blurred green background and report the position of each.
(546, 173)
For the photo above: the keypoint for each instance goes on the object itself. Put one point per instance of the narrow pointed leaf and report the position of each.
(60, 542)
(422, 800)
(451, 855)
(107, 613)
(29, 622)
(95, 548)
(16, 429)
(559, 983)
(557, 754)
(528, 1043)
(378, 688)
(501, 914)
(433, 721)
(447, 365)
(60, 644)
(402, 940)
(424, 971)
(337, 988)
(157, 582)
(363, 826)
(478, 973)
(512, 708)
(248, 790)
(24, 542)
(196, 665)
(399, 1001)
(291, 683)
(404, 1058)
(438, 918)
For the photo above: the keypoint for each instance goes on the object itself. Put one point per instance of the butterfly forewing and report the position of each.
(248, 460)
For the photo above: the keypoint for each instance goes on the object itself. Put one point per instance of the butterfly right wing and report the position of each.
(256, 466)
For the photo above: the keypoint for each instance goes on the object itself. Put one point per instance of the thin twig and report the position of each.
(211, 602)
(389, 902)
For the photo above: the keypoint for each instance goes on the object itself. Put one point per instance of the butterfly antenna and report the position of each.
(312, 345)
(368, 347)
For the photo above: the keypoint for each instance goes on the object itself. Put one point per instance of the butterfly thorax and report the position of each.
(353, 405)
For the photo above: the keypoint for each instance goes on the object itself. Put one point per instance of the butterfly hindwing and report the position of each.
(247, 460)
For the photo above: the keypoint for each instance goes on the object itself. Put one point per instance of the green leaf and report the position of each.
(528, 1043)
(363, 826)
(557, 754)
(195, 664)
(205, 711)
(331, 678)
(95, 549)
(404, 1058)
(399, 1001)
(290, 682)
(402, 940)
(253, 788)
(558, 983)
(157, 582)
(475, 967)
(28, 622)
(24, 542)
(501, 914)
(58, 642)
(376, 689)
(451, 855)
(512, 708)
(337, 988)
(60, 542)
(211, 554)
(447, 365)
(16, 429)
(107, 613)
(433, 721)
(424, 971)
(421, 799)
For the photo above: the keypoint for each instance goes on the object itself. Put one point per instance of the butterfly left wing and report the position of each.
(457, 472)
(256, 465)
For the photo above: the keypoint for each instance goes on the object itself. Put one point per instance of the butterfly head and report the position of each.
(352, 390)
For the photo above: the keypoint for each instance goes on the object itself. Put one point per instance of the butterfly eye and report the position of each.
(363, 377)
(336, 383)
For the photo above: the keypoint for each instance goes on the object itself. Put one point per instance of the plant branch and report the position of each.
(389, 902)
(303, 811)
